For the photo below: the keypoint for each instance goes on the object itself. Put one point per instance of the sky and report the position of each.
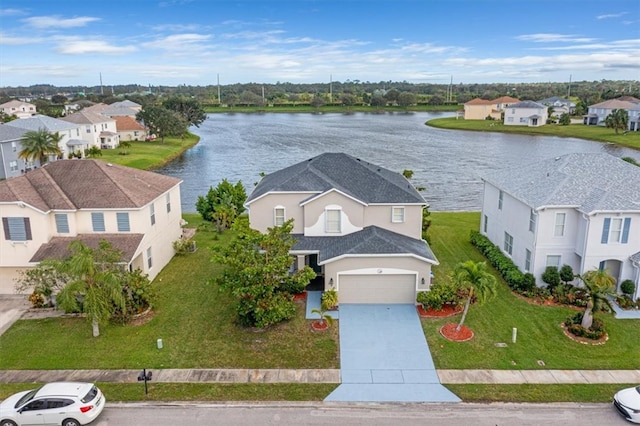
(203, 42)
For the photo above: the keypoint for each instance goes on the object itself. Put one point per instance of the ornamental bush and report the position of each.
(627, 287)
(440, 293)
(595, 332)
(514, 278)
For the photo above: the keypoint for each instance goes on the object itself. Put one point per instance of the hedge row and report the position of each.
(514, 278)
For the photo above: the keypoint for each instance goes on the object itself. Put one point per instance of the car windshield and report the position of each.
(26, 398)
(92, 394)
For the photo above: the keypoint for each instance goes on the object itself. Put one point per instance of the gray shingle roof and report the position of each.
(635, 257)
(77, 184)
(87, 117)
(119, 111)
(11, 133)
(364, 181)
(42, 122)
(527, 104)
(371, 240)
(589, 182)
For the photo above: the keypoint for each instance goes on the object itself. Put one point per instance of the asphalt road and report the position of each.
(498, 414)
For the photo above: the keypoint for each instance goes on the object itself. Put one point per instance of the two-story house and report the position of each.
(559, 106)
(10, 146)
(42, 211)
(69, 133)
(526, 113)
(129, 129)
(480, 109)
(19, 109)
(97, 129)
(582, 210)
(358, 225)
(598, 113)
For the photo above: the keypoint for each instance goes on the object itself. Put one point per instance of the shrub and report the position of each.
(595, 332)
(329, 300)
(528, 282)
(551, 276)
(36, 299)
(184, 246)
(627, 287)
(138, 295)
(566, 274)
(269, 310)
(441, 293)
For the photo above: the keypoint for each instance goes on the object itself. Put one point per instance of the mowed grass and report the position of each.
(538, 393)
(539, 336)
(193, 317)
(149, 155)
(595, 133)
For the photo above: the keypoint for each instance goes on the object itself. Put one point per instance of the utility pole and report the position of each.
(101, 87)
(330, 88)
(569, 90)
(219, 89)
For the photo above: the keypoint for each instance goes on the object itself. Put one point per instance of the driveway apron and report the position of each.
(385, 357)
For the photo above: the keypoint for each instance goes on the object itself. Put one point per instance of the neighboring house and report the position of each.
(69, 132)
(357, 225)
(119, 111)
(127, 104)
(582, 210)
(97, 129)
(10, 146)
(559, 105)
(526, 113)
(19, 109)
(129, 129)
(45, 209)
(480, 109)
(597, 113)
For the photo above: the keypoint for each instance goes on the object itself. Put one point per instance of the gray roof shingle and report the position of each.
(589, 182)
(371, 240)
(11, 133)
(357, 178)
(38, 122)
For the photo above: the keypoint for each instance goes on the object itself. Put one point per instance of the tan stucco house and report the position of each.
(129, 129)
(358, 225)
(42, 211)
(480, 109)
(19, 109)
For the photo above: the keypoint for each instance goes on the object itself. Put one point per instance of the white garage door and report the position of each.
(377, 289)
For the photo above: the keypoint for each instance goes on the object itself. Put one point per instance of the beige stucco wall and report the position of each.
(477, 112)
(314, 214)
(262, 214)
(380, 215)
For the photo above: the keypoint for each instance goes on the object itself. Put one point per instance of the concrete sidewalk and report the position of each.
(311, 376)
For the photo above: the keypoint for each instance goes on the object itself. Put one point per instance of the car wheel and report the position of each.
(69, 422)
(8, 423)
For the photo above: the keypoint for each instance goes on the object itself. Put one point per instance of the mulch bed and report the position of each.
(318, 325)
(446, 311)
(142, 318)
(300, 296)
(449, 332)
(584, 340)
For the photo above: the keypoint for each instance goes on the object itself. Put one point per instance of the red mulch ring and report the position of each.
(446, 311)
(300, 296)
(584, 340)
(449, 332)
(319, 325)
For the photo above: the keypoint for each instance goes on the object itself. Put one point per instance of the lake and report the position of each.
(447, 163)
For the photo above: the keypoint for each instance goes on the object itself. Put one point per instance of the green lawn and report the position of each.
(192, 316)
(537, 393)
(595, 133)
(149, 155)
(540, 337)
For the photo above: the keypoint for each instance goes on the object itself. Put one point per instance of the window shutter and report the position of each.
(123, 222)
(605, 231)
(97, 220)
(5, 227)
(625, 230)
(62, 224)
(27, 228)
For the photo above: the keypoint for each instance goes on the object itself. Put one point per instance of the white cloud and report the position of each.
(611, 15)
(81, 47)
(12, 12)
(180, 43)
(55, 21)
(7, 40)
(554, 38)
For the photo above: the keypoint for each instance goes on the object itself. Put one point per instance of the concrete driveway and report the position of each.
(12, 307)
(385, 357)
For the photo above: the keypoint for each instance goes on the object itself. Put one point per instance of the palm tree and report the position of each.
(473, 276)
(599, 286)
(124, 145)
(96, 283)
(93, 152)
(39, 145)
(617, 120)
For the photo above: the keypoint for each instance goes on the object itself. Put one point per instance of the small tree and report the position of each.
(124, 147)
(93, 152)
(565, 119)
(189, 109)
(566, 274)
(474, 277)
(599, 285)
(617, 120)
(551, 276)
(222, 204)
(162, 122)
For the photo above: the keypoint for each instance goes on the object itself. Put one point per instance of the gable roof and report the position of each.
(112, 111)
(372, 240)
(15, 104)
(504, 100)
(589, 182)
(40, 121)
(555, 99)
(614, 104)
(11, 133)
(127, 104)
(96, 108)
(357, 178)
(478, 101)
(90, 184)
(87, 117)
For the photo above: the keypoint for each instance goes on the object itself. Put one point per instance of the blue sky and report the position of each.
(172, 42)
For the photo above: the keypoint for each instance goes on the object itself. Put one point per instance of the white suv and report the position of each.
(60, 403)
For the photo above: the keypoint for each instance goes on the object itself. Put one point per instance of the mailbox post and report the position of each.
(145, 377)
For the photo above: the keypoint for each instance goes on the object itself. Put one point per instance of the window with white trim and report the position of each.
(332, 220)
(508, 243)
(558, 230)
(152, 213)
(13, 166)
(397, 214)
(553, 260)
(527, 260)
(168, 198)
(62, 223)
(122, 219)
(615, 233)
(616, 230)
(14, 146)
(97, 221)
(532, 220)
(149, 258)
(500, 200)
(278, 216)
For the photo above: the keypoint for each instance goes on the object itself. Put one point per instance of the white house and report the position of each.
(598, 113)
(559, 105)
(18, 108)
(97, 129)
(69, 132)
(45, 209)
(582, 210)
(526, 113)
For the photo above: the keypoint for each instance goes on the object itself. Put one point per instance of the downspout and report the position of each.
(584, 243)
